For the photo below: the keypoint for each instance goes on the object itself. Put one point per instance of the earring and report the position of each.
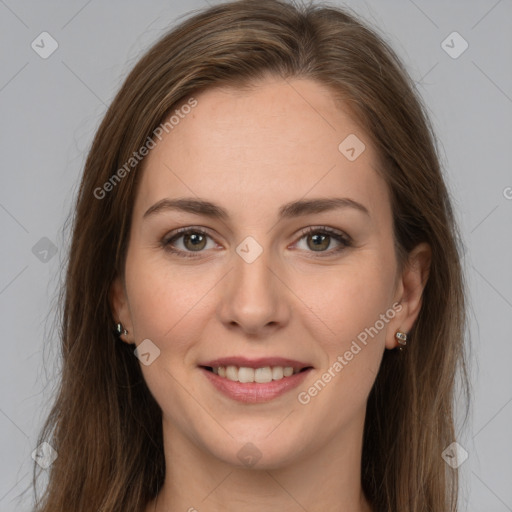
(120, 330)
(401, 337)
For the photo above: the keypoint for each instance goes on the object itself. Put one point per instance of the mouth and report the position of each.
(256, 380)
(261, 375)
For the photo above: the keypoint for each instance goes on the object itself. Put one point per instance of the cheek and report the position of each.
(349, 301)
(350, 296)
(351, 304)
(353, 344)
(165, 306)
(164, 300)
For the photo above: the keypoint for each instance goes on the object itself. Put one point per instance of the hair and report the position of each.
(104, 422)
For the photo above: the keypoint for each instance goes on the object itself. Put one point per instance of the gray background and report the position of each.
(51, 108)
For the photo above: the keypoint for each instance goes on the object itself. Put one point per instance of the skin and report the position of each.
(251, 152)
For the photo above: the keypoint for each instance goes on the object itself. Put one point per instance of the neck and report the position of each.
(327, 479)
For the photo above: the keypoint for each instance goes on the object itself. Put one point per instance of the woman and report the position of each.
(263, 222)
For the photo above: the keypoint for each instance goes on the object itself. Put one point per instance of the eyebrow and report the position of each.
(288, 210)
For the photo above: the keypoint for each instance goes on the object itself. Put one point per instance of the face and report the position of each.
(273, 284)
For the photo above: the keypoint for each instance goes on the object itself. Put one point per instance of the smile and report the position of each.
(254, 380)
(260, 375)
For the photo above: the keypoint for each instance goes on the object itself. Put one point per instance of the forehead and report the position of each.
(275, 142)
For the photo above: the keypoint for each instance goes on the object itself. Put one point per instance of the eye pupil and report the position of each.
(196, 240)
(319, 239)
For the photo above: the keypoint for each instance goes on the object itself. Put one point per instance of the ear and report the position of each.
(120, 308)
(409, 292)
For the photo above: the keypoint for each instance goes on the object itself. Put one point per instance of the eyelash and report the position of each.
(343, 239)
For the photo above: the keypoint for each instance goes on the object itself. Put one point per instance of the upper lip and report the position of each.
(260, 362)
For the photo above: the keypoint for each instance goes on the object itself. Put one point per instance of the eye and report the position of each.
(318, 239)
(194, 240)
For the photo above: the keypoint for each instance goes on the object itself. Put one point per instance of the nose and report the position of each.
(254, 298)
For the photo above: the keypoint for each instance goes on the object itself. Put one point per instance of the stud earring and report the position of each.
(120, 330)
(401, 337)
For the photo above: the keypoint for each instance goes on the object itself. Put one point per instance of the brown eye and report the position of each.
(186, 241)
(194, 241)
(318, 241)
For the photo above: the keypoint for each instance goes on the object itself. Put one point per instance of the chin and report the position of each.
(260, 451)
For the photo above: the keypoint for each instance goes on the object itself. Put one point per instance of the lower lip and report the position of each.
(255, 392)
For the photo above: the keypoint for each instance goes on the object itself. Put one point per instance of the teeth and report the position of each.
(287, 371)
(277, 372)
(246, 374)
(232, 373)
(260, 375)
(263, 375)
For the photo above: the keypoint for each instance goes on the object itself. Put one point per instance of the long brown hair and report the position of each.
(104, 424)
